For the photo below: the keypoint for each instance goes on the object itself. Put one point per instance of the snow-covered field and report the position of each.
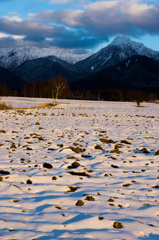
(104, 157)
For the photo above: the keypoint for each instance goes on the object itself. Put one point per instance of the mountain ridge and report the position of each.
(137, 72)
(13, 57)
(44, 69)
(103, 64)
(118, 50)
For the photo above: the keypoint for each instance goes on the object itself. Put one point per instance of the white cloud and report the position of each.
(4, 35)
(12, 19)
(17, 26)
(108, 17)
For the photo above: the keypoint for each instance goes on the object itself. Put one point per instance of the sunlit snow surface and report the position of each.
(46, 209)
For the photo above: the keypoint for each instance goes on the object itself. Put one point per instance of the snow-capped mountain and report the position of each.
(34, 64)
(13, 57)
(125, 42)
(120, 49)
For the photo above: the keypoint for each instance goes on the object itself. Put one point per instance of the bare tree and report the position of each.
(58, 85)
(139, 95)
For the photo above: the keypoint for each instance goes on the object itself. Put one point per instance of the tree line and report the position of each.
(59, 87)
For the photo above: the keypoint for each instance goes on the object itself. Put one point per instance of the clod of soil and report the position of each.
(79, 203)
(29, 181)
(13, 145)
(135, 171)
(100, 218)
(99, 147)
(119, 205)
(80, 174)
(74, 165)
(41, 138)
(107, 175)
(29, 149)
(47, 165)
(4, 172)
(117, 225)
(51, 149)
(115, 151)
(146, 204)
(155, 186)
(110, 200)
(157, 152)
(86, 156)
(2, 131)
(125, 142)
(73, 188)
(77, 149)
(144, 150)
(58, 207)
(16, 200)
(117, 146)
(114, 166)
(60, 145)
(126, 184)
(89, 198)
(54, 178)
(71, 157)
(104, 140)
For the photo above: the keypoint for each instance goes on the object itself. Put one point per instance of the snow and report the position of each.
(120, 40)
(46, 208)
(92, 68)
(126, 42)
(127, 63)
(109, 57)
(19, 55)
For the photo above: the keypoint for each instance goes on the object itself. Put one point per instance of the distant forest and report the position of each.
(48, 89)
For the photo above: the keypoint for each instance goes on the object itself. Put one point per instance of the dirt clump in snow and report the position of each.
(47, 165)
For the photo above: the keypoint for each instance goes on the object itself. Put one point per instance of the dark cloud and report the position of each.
(17, 26)
(8, 42)
(86, 28)
(81, 51)
(42, 33)
(107, 18)
(37, 39)
(80, 40)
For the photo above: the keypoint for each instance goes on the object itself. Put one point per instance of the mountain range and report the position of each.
(122, 64)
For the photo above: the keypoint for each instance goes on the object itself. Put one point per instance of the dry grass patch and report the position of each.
(44, 105)
(4, 106)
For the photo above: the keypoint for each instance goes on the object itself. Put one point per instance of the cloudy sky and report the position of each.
(82, 25)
